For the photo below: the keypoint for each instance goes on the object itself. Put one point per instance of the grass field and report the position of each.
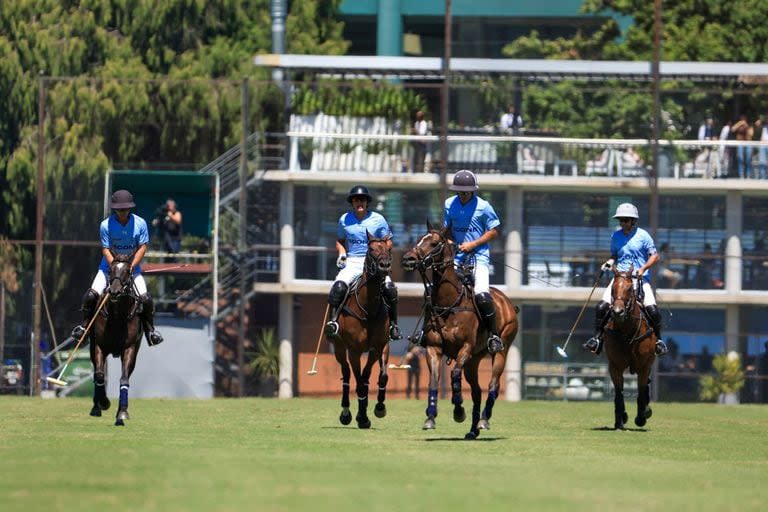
(260, 454)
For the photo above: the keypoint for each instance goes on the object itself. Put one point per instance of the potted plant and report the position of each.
(265, 362)
(725, 383)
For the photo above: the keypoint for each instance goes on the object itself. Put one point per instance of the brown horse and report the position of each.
(363, 328)
(116, 331)
(452, 327)
(629, 343)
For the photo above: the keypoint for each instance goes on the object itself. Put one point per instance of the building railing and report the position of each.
(325, 145)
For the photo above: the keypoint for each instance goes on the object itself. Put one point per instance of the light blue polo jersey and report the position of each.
(122, 239)
(355, 232)
(633, 249)
(469, 222)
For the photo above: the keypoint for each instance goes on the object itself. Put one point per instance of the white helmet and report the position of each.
(626, 210)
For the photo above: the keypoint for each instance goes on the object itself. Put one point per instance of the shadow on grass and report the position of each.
(611, 429)
(479, 439)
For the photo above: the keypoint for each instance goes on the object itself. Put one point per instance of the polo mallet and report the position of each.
(58, 380)
(561, 350)
(313, 370)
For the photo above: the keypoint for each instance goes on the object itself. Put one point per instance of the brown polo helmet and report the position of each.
(121, 200)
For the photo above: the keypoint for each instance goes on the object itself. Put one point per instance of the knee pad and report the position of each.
(602, 309)
(337, 294)
(148, 305)
(653, 312)
(485, 304)
(390, 292)
(89, 299)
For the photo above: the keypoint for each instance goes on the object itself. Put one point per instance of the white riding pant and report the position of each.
(355, 267)
(100, 282)
(649, 300)
(482, 278)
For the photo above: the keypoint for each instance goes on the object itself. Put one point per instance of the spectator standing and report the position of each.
(707, 133)
(168, 221)
(725, 152)
(420, 127)
(511, 123)
(743, 132)
(762, 151)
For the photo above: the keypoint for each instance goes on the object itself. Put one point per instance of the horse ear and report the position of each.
(430, 227)
(447, 233)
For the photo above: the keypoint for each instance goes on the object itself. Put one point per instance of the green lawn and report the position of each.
(260, 454)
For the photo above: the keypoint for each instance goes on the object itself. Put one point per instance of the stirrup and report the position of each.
(394, 333)
(661, 348)
(594, 345)
(78, 332)
(332, 328)
(417, 339)
(154, 338)
(494, 344)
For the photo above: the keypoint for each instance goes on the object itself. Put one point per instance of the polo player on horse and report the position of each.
(123, 233)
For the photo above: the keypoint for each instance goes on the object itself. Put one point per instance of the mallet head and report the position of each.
(56, 381)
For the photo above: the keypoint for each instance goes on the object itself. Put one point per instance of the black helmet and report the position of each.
(464, 181)
(121, 199)
(359, 190)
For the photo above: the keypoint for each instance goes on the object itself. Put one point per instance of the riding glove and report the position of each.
(607, 265)
(341, 261)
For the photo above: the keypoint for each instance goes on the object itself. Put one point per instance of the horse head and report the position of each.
(120, 281)
(378, 259)
(430, 251)
(623, 294)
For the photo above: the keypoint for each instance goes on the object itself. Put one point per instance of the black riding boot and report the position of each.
(148, 320)
(653, 312)
(89, 309)
(390, 295)
(335, 299)
(595, 343)
(488, 317)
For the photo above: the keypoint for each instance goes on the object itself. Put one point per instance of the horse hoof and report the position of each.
(429, 424)
(96, 411)
(471, 435)
(345, 418)
(363, 423)
(119, 423)
(640, 421)
(380, 410)
(648, 413)
(459, 414)
(105, 404)
(618, 426)
(483, 425)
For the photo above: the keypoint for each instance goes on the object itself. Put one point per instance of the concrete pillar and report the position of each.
(733, 266)
(512, 225)
(733, 253)
(732, 327)
(287, 274)
(513, 370)
(285, 329)
(287, 253)
(389, 28)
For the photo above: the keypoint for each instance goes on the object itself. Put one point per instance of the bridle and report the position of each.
(429, 260)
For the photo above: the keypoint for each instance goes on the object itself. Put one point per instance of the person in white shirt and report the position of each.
(420, 127)
(511, 122)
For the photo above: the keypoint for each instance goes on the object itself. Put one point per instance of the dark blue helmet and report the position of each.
(359, 191)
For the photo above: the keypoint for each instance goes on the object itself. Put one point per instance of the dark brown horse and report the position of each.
(363, 328)
(116, 331)
(629, 343)
(452, 328)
